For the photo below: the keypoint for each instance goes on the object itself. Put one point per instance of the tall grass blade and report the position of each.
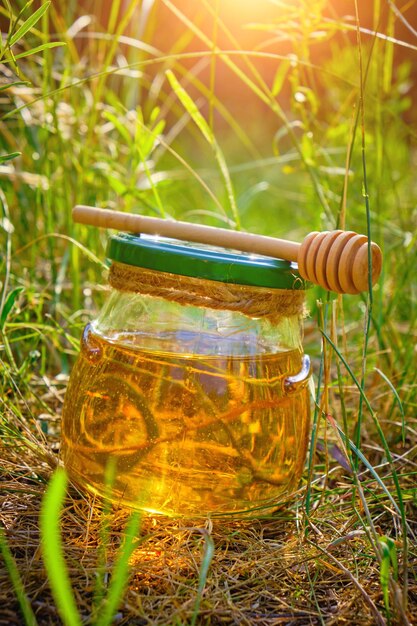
(45, 46)
(398, 401)
(8, 305)
(313, 436)
(8, 157)
(88, 254)
(28, 24)
(53, 555)
(191, 108)
(206, 131)
(205, 564)
(16, 83)
(99, 589)
(120, 572)
(15, 579)
(366, 197)
(388, 561)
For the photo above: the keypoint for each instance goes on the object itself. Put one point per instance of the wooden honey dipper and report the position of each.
(336, 260)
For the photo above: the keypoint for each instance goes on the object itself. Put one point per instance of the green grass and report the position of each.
(309, 126)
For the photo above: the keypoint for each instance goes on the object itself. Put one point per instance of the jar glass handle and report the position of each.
(293, 384)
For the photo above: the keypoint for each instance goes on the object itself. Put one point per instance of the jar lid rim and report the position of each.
(199, 261)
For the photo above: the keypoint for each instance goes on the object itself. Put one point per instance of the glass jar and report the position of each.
(191, 383)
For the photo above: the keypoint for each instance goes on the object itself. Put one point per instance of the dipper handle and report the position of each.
(337, 260)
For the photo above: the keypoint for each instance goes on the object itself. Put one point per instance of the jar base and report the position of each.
(240, 510)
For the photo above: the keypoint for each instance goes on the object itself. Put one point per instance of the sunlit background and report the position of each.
(311, 30)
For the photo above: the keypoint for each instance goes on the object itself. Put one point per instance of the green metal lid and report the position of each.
(198, 261)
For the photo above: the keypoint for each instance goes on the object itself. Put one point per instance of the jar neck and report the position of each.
(151, 322)
(254, 302)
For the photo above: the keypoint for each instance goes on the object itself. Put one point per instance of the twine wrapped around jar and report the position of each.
(255, 302)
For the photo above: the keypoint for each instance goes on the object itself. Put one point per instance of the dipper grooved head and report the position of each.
(338, 261)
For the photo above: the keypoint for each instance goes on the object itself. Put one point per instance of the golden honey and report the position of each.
(188, 433)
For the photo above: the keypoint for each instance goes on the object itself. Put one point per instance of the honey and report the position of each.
(189, 433)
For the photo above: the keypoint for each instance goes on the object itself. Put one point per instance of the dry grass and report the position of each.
(262, 571)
